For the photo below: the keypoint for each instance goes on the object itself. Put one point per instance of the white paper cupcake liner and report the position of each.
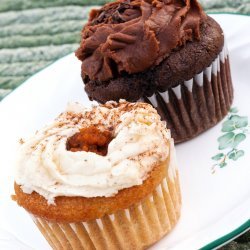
(199, 103)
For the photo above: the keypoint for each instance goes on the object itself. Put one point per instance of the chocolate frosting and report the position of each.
(181, 65)
(131, 36)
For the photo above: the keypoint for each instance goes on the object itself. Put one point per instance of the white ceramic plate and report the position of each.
(216, 201)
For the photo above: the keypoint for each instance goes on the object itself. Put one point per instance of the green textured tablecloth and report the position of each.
(35, 33)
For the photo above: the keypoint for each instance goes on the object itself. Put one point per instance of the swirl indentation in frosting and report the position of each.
(140, 142)
(90, 139)
(133, 35)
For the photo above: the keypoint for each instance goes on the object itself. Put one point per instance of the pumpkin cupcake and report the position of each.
(165, 52)
(101, 178)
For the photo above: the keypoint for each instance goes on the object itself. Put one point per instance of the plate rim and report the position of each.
(228, 237)
(227, 13)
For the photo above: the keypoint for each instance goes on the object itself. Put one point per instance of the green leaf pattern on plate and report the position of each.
(236, 155)
(226, 141)
(218, 157)
(235, 130)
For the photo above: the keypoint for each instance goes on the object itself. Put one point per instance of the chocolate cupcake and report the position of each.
(101, 178)
(164, 52)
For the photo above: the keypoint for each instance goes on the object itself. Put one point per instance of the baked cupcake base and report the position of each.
(136, 227)
(199, 103)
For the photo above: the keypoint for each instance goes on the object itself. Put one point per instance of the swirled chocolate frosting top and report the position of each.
(133, 35)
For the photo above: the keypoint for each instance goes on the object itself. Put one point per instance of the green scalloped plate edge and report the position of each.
(228, 237)
(227, 13)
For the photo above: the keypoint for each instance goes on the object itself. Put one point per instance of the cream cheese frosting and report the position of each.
(140, 142)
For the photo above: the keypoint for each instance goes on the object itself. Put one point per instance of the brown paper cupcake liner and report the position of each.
(199, 103)
(137, 227)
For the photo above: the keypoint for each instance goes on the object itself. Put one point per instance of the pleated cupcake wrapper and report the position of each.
(137, 227)
(199, 103)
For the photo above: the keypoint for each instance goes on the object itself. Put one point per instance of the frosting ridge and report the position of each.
(141, 141)
(133, 35)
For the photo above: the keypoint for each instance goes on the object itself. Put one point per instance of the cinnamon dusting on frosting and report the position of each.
(21, 141)
(140, 140)
(133, 35)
